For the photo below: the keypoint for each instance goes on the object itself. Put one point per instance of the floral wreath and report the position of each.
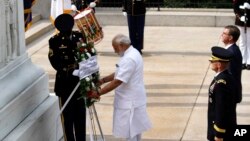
(88, 84)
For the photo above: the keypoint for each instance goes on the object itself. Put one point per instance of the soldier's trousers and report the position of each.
(136, 30)
(74, 119)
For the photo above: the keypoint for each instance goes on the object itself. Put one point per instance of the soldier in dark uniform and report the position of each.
(244, 40)
(135, 11)
(62, 56)
(27, 5)
(221, 100)
(82, 4)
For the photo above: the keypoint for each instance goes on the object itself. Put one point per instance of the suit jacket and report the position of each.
(240, 12)
(221, 105)
(235, 68)
(63, 58)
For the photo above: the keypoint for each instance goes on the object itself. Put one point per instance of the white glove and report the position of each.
(247, 5)
(243, 18)
(76, 73)
(73, 7)
(92, 4)
(124, 14)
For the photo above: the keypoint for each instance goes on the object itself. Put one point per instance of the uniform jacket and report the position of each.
(82, 4)
(62, 56)
(221, 105)
(240, 12)
(134, 7)
(235, 69)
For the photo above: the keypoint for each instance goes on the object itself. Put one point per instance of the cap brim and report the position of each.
(214, 58)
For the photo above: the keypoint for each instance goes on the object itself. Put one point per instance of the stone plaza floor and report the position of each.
(176, 73)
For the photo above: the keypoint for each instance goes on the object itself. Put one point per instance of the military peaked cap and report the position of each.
(64, 22)
(220, 54)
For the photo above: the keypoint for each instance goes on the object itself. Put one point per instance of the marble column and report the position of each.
(27, 111)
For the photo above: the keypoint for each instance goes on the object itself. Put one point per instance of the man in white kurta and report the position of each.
(130, 117)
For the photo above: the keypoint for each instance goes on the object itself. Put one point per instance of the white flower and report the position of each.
(88, 54)
(94, 100)
(83, 44)
(87, 79)
(90, 77)
(82, 55)
(93, 50)
(93, 85)
(87, 89)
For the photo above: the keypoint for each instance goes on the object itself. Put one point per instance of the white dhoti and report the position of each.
(128, 123)
(135, 138)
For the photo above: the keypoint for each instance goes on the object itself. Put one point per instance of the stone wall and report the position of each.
(42, 7)
(27, 111)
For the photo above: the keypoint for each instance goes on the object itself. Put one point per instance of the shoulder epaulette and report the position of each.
(220, 130)
(222, 81)
(54, 36)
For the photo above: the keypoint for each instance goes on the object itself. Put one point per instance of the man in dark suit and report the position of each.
(229, 37)
(242, 20)
(221, 100)
(135, 11)
(62, 56)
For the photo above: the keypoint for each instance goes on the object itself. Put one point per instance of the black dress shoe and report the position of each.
(244, 66)
(248, 67)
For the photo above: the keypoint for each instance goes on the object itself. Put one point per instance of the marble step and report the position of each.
(31, 115)
(36, 18)
(23, 90)
(171, 17)
(41, 125)
(38, 28)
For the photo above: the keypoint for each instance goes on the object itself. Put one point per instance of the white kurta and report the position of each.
(130, 115)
